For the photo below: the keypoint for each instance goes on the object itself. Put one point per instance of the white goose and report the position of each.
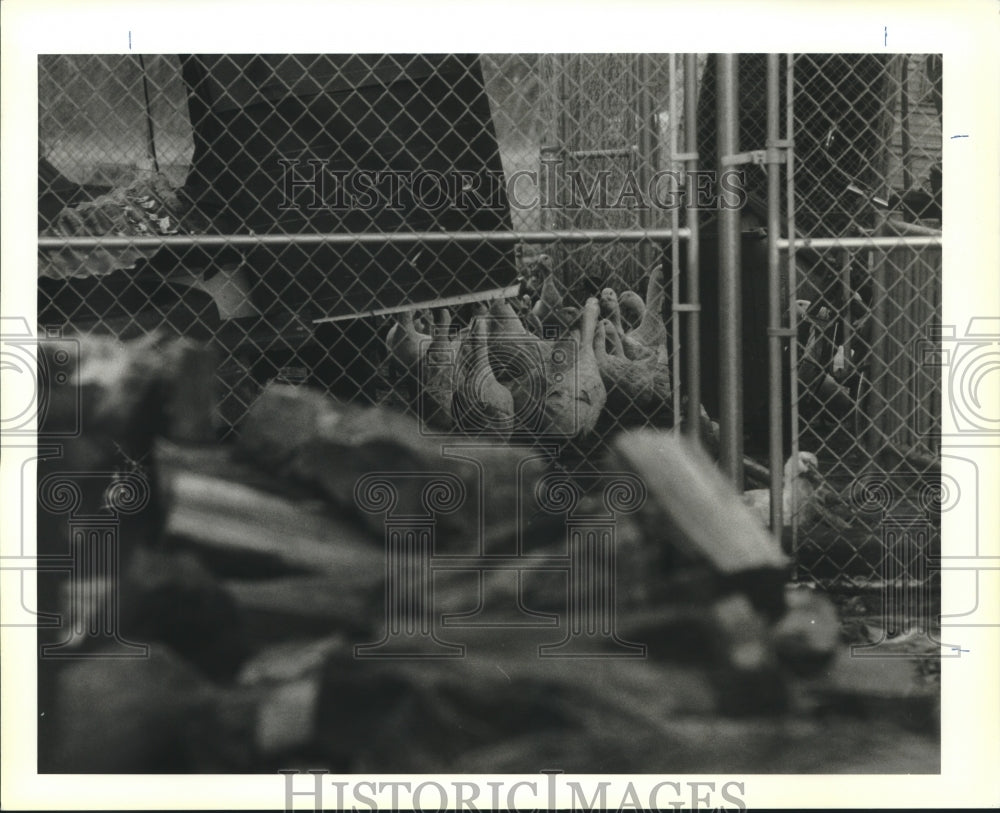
(805, 493)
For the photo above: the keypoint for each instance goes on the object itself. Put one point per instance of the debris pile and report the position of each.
(260, 580)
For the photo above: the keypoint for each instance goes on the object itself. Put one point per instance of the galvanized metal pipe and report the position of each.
(150, 130)
(610, 152)
(730, 306)
(646, 142)
(675, 259)
(559, 219)
(904, 122)
(793, 317)
(693, 354)
(548, 194)
(902, 227)
(846, 295)
(902, 241)
(774, 372)
(49, 243)
(439, 302)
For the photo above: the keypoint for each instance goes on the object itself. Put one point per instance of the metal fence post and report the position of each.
(647, 143)
(693, 354)
(730, 314)
(793, 320)
(676, 295)
(776, 452)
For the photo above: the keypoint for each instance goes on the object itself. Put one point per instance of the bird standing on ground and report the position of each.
(804, 494)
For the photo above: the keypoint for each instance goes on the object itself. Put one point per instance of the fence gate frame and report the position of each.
(780, 152)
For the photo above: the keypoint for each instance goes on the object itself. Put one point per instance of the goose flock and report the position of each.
(537, 368)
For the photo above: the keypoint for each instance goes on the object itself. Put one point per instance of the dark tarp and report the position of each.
(252, 115)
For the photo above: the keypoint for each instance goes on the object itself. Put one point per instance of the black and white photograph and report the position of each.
(394, 420)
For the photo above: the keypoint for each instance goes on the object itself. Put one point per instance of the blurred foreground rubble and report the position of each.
(251, 574)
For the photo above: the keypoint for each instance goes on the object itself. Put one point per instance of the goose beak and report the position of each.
(812, 474)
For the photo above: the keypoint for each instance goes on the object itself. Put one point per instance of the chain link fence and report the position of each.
(867, 133)
(323, 167)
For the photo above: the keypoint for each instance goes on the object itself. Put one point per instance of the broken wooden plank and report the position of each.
(703, 513)
(229, 515)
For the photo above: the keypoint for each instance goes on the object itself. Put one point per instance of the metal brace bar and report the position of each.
(822, 243)
(775, 153)
(751, 157)
(684, 156)
(612, 152)
(442, 302)
(781, 332)
(685, 307)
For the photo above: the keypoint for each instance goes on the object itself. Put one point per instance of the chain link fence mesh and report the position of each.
(383, 145)
(867, 132)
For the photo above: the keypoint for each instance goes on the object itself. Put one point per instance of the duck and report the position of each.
(530, 267)
(437, 375)
(575, 394)
(406, 348)
(481, 405)
(405, 344)
(652, 332)
(423, 322)
(632, 309)
(638, 391)
(548, 308)
(804, 493)
(611, 310)
(513, 349)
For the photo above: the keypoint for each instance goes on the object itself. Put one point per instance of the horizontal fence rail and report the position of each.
(473, 237)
